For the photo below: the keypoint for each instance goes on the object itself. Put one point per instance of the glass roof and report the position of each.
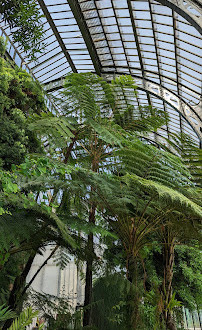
(158, 43)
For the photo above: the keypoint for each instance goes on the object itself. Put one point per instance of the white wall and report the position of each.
(55, 281)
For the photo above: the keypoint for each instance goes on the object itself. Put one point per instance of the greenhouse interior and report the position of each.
(100, 164)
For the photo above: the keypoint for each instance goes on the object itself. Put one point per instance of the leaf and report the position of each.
(24, 319)
(5, 313)
(165, 193)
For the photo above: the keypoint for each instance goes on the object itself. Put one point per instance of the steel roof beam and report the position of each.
(137, 42)
(105, 35)
(125, 53)
(176, 59)
(57, 35)
(157, 58)
(79, 17)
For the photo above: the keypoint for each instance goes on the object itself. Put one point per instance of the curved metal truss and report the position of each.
(189, 9)
(155, 41)
(192, 115)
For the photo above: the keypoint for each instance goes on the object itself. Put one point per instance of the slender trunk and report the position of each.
(167, 283)
(87, 317)
(69, 149)
(133, 296)
(15, 295)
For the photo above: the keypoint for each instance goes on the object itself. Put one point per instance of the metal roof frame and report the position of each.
(156, 43)
(76, 10)
(57, 35)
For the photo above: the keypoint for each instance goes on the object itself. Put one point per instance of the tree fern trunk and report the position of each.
(69, 149)
(133, 296)
(87, 317)
(15, 295)
(167, 283)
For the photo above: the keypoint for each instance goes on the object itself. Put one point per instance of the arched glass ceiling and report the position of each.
(158, 43)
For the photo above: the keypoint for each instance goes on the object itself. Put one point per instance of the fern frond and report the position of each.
(24, 319)
(174, 198)
(107, 132)
(151, 163)
(5, 313)
(56, 129)
(61, 257)
(20, 202)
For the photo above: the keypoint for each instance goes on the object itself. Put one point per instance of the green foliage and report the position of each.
(2, 46)
(15, 205)
(187, 148)
(187, 281)
(56, 131)
(57, 311)
(25, 21)
(62, 257)
(173, 303)
(192, 156)
(20, 97)
(151, 163)
(5, 313)
(93, 99)
(25, 318)
(174, 199)
(96, 156)
(7, 185)
(114, 296)
(152, 308)
(110, 310)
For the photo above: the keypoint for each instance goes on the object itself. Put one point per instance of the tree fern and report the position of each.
(100, 167)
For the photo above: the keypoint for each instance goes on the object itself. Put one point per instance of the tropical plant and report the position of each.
(57, 311)
(25, 21)
(99, 176)
(158, 180)
(5, 313)
(22, 218)
(95, 105)
(187, 275)
(110, 294)
(20, 97)
(25, 318)
(19, 323)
